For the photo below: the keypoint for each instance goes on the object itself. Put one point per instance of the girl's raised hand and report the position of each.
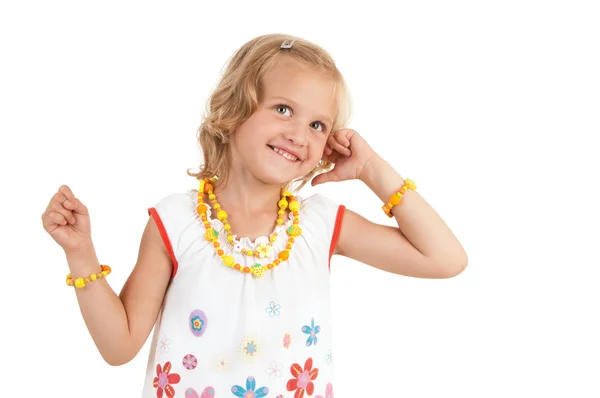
(67, 220)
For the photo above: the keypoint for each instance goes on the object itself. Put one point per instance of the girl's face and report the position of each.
(285, 137)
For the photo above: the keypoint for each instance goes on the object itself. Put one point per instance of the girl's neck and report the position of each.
(249, 196)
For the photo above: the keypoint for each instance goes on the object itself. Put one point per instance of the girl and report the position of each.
(234, 276)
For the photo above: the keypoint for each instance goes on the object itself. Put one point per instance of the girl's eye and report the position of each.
(323, 127)
(286, 110)
(282, 109)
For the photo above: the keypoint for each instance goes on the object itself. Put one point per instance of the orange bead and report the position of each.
(216, 244)
(220, 252)
(291, 239)
(269, 266)
(237, 266)
(277, 261)
(395, 199)
(284, 255)
(296, 221)
(246, 269)
(288, 246)
(295, 214)
(201, 208)
(208, 187)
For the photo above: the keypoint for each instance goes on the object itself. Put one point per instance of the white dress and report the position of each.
(224, 333)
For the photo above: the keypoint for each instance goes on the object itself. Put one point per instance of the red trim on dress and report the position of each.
(165, 238)
(336, 231)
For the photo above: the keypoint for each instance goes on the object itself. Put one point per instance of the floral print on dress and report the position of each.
(190, 362)
(274, 370)
(250, 348)
(250, 391)
(165, 344)
(163, 380)
(329, 357)
(328, 392)
(208, 392)
(222, 364)
(287, 340)
(273, 309)
(302, 379)
(312, 331)
(198, 323)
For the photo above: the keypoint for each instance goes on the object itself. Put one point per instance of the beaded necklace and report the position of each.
(211, 235)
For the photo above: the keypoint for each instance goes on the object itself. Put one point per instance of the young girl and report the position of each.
(234, 276)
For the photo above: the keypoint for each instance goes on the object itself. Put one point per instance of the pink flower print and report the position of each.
(190, 362)
(328, 392)
(287, 340)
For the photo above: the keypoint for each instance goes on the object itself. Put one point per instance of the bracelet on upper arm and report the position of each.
(397, 197)
(81, 282)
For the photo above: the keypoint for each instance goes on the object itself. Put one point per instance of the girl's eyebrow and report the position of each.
(295, 105)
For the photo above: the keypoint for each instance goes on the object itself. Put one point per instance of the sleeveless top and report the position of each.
(224, 333)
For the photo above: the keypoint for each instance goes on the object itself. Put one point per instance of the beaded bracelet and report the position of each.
(396, 198)
(81, 282)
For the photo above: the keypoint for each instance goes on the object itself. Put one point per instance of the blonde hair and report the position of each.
(236, 95)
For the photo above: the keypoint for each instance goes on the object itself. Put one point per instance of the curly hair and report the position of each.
(235, 98)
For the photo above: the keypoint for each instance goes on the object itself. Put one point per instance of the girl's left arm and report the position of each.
(420, 246)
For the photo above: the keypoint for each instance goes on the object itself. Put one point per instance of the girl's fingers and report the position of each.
(60, 209)
(57, 218)
(66, 191)
(339, 147)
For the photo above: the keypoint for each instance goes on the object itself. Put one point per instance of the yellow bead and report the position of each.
(217, 206)
(283, 204)
(212, 196)
(250, 253)
(294, 206)
(279, 221)
(221, 215)
(411, 184)
(79, 282)
(93, 277)
(227, 227)
(229, 238)
(229, 261)
(273, 238)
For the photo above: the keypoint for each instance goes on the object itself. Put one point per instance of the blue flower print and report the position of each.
(250, 390)
(273, 309)
(312, 331)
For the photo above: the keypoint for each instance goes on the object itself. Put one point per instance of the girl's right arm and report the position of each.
(118, 324)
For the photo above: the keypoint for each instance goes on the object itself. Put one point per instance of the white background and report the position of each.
(491, 107)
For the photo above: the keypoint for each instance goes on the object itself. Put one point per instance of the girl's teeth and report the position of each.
(285, 154)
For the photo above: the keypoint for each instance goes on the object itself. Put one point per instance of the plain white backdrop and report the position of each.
(492, 108)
